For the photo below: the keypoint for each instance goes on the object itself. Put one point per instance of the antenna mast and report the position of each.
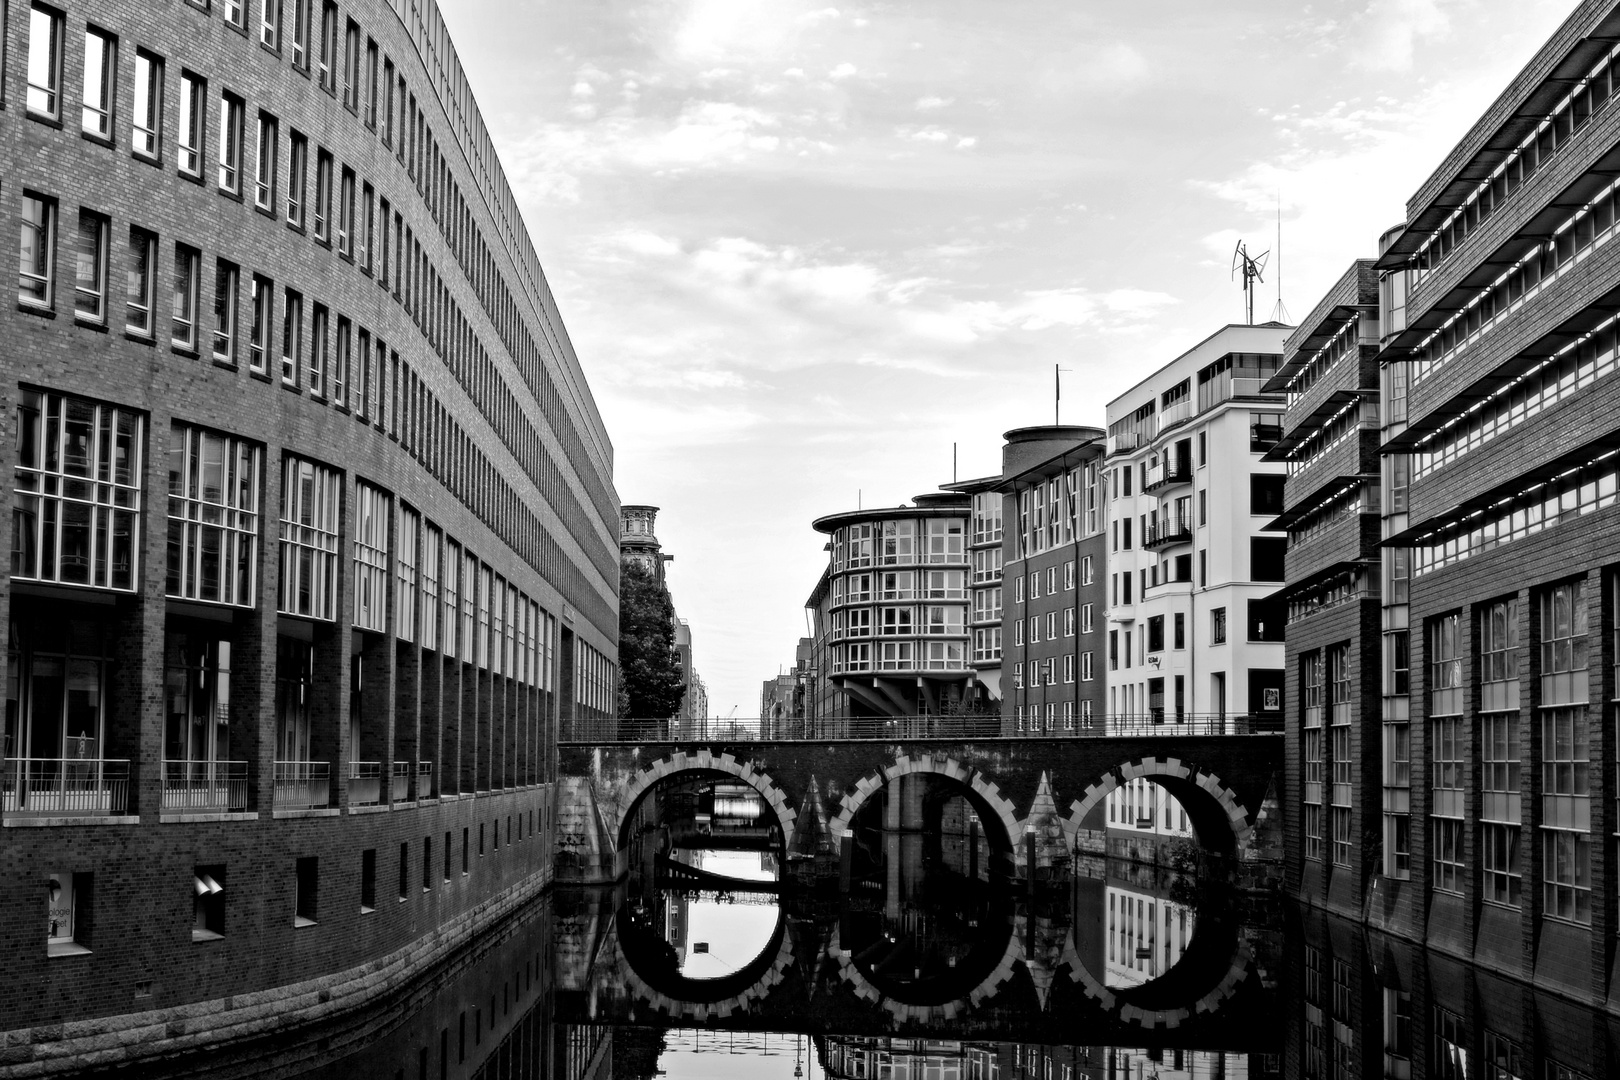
(1252, 267)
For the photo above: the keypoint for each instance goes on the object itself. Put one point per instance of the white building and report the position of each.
(1192, 635)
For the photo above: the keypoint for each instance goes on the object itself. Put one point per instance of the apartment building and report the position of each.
(1193, 634)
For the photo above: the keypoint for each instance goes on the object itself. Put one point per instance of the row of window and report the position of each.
(1033, 718)
(931, 619)
(900, 656)
(1050, 579)
(898, 543)
(1044, 672)
(1049, 621)
(899, 585)
(1060, 510)
(1264, 624)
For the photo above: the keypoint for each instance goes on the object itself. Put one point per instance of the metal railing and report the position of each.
(401, 788)
(424, 780)
(1166, 533)
(303, 785)
(878, 728)
(365, 783)
(218, 787)
(52, 787)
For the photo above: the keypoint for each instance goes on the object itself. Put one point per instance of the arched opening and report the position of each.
(1164, 808)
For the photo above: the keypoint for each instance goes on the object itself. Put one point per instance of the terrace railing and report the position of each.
(65, 787)
(217, 787)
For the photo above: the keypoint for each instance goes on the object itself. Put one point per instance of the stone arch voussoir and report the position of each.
(905, 764)
(1169, 768)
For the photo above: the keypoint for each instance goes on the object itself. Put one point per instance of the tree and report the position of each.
(650, 678)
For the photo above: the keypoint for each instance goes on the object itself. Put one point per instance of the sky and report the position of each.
(804, 250)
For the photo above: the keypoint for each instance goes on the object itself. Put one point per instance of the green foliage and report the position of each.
(650, 682)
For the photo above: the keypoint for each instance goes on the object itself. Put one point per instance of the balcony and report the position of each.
(65, 787)
(205, 787)
(1163, 534)
(1127, 441)
(1171, 470)
(303, 785)
(1175, 413)
(365, 783)
(401, 791)
(424, 780)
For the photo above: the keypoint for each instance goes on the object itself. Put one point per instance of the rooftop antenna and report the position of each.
(953, 463)
(1251, 266)
(1279, 314)
(1057, 392)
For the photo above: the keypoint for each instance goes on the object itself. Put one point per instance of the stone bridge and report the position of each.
(1034, 796)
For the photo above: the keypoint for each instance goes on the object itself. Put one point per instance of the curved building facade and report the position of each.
(313, 530)
(893, 610)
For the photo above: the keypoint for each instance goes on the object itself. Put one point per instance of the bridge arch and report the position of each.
(983, 794)
(700, 1000)
(1142, 1009)
(704, 761)
(1221, 821)
(906, 1012)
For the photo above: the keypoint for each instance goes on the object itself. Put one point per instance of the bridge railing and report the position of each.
(878, 728)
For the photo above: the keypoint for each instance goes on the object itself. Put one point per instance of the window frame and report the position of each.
(44, 298)
(95, 294)
(50, 91)
(185, 257)
(141, 238)
(105, 131)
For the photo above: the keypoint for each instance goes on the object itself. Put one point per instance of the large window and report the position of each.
(189, 133)
(406, 536)
(297, 173)
(197, 717)
(1311, 688)
(309, 540)
(231, 111)
(1566, 814)
(1499, 655)
(226, 276)
(1502, 875)
(78, 492)
(100, 91)
(432, 548)
(264, 176)
(187, 271)
(1563, 643)
(263, 301)
(370, 558)
(213, 517)
(292, 335)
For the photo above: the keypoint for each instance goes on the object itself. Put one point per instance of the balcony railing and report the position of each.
(65, 787)
(303, 785)
(365, 783)
(1171, 469)
(401, 789)
(1127, 441)
(216, 787)
(1163, 534)
(424, 780)
(1176, 413)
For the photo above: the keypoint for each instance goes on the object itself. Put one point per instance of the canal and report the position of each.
(912, 953)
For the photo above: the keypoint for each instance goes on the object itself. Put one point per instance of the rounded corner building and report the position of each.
(314, 540)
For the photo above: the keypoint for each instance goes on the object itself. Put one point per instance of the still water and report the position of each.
(915, 953)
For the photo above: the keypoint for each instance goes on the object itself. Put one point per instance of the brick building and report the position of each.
(313, 530)
(1495, 769)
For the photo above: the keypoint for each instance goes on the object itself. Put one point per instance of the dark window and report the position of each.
(368, 879)
(1217, 626)
(306, 884)
(208, 903)
(1183, 568)
(1180, 639)
(447, 854)
(1266, 557)
(1266, 619)
(427, 863)
(1265, 692)
(404, 875)
(1155, 633)
(1266, 494)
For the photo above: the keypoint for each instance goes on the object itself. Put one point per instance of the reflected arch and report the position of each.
(1221, 822)
(677, 996)
(997, 813)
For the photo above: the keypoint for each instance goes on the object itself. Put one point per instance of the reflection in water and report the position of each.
(717, 933)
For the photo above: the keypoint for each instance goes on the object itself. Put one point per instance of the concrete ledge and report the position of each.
(68, 820)
(373, 808)
(239, 815)
(331, 811)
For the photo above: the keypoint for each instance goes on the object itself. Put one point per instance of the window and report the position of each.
(317, 351)
(365, 224)
(1068, 668)
(306, 885)
(1502, 876)
(45, 62)
(213, 517)
(231, 112)
(1266, 620)
(90, 269)
(370, 558)
(138, 282)
(189, 135)
(1179, 639)
(371, 84)
(1087, 670)
(1068, 574)
(235, 13)
(1266, 558)
(78, 492)
(1087, 577)
(1087, 619)
(270, 24)
(323, 197)
(100, 72)
(67, 901)
(1217, 626)
(328, 48)
(292, 336)
(225, 285)
(309, 539)
(351, 66)
(36, 251)
(1563, 643)
(186, 262)
(345, 223)
(263, 318)
(404, 873)
(407, 536)
(147, 123)
(1155, 633)
(300, 34)
(264, 179)
(297, 167)
(340, 364)
(207, 903)
(1567, 875)
(368, 880)
(1265, 495)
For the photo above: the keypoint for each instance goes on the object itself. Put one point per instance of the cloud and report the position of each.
(933, 102)
(842, 71)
